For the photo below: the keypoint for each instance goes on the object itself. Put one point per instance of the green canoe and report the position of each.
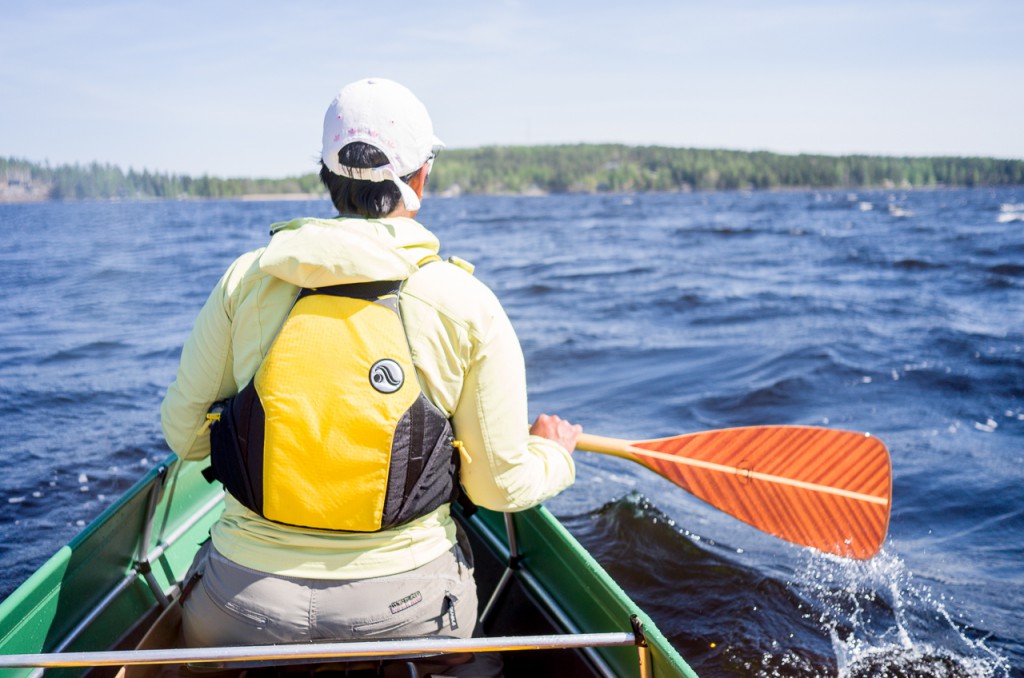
(551, 609)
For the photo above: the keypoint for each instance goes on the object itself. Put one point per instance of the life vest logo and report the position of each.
(386, 376)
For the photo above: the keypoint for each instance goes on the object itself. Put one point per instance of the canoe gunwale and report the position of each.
(148, 556)
(91, 596)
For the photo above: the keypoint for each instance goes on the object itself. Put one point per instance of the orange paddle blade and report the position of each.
(827, 489)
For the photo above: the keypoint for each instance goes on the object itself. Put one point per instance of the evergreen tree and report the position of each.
(554, 169)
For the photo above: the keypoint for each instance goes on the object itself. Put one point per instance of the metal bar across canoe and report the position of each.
(317, 651)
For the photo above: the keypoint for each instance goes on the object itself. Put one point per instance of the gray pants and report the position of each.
(229, 604)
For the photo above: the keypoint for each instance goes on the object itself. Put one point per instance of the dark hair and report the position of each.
(368, 199)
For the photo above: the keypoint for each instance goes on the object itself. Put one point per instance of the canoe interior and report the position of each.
(557, 587)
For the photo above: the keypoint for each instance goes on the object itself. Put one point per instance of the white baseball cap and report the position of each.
(389, 117)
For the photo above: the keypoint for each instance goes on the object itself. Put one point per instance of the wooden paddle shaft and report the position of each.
(602, 445)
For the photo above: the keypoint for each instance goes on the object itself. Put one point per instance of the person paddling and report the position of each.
(352, 384)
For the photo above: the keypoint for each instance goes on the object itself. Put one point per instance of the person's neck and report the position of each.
(401, 211)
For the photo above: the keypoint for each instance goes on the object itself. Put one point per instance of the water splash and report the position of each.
(884, 623)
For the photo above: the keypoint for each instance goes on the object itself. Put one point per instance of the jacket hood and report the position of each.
(321, 252)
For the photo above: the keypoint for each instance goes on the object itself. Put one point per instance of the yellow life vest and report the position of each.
(333, 432)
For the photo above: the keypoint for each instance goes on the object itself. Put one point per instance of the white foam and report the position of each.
(989, 426)
(877, 614)
(1010, 211)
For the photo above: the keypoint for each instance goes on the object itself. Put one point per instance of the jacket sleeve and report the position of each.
(204, 376)
(504, 468)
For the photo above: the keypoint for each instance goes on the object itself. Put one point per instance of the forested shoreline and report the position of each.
(586, 168)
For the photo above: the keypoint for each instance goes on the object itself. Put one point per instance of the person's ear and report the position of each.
(419, 182)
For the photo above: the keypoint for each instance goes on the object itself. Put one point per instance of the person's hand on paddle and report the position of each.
(553, 427)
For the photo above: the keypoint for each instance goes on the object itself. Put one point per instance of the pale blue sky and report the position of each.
(239, 88)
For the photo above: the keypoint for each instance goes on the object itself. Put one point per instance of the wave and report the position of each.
(785, 384)
(884, 623)
(920, 660)
(733, 613)
(724, 230)
(601, 272)
(899, 212)
(833, 617)
(539, 289)
(91, 350)
(771, 396)
(1010, 212)
(1015, 270)
(912, 264)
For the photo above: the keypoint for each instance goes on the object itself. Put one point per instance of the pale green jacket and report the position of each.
(468, 361)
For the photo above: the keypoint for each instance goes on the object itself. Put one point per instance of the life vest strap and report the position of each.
(367, 291)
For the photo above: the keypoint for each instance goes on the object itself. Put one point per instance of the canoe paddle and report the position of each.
(827, 489)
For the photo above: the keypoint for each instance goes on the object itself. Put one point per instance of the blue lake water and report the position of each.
(895, 312)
